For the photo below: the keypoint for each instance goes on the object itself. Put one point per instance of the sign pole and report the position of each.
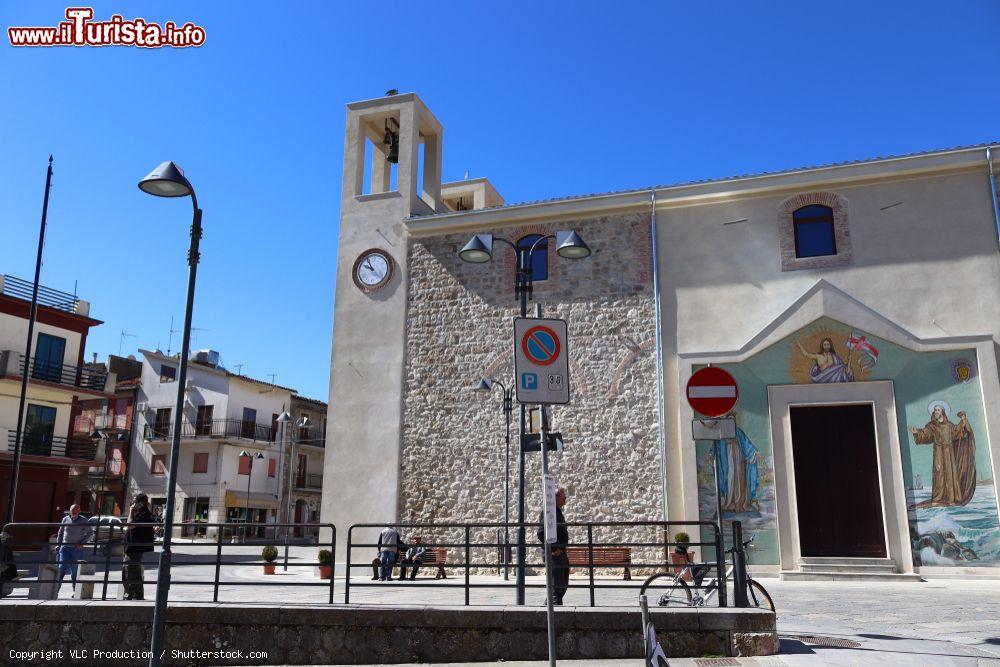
(549, 538)
(718, 494)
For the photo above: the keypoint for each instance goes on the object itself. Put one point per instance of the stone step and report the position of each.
(847, 568)
(829, 575)
(835, 560)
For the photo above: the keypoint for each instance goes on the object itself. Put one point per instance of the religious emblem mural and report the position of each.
(948, 479)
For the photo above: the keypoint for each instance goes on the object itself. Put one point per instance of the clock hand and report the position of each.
(368, 265)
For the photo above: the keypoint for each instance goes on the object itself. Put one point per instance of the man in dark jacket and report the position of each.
(138, 541)
(560, 559)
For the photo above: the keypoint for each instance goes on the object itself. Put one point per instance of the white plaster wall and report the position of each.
(928, 264)
(14, 331)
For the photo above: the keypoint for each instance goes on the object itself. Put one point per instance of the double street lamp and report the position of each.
(105, 435)
(479, 250)
(247, 455)
(168, 180)
(284, 418)
(485, 386)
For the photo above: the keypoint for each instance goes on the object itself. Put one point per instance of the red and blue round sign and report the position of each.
(540, 345)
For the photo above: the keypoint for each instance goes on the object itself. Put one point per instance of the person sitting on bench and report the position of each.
(414, 559)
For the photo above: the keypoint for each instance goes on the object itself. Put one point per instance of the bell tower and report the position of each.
(392, 170)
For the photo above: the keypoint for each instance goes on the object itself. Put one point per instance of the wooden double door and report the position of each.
(837, 493)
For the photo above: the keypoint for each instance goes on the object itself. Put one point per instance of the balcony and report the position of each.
(309, 482)
(213, 428)
(53, 446)
(47, 297)
(311, 436)
(12, 365)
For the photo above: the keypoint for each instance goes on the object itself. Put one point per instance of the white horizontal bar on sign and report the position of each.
(726, 391)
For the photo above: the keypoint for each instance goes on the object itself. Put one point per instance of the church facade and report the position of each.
(857, 306)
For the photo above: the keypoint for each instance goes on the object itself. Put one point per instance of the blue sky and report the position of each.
(545, 99)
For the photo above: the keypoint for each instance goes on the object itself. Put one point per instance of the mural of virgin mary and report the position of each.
(828, 366)
(739, 476)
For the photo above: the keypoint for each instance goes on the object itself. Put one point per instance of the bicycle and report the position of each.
(665, 589)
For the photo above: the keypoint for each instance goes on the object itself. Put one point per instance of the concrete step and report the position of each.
(834, 560)
(830, 575)
(858, 569)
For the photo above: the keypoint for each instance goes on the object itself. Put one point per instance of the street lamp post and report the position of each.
(479, 250)
(485, 385)
(168, 180)
(246, 512)
(300, 424)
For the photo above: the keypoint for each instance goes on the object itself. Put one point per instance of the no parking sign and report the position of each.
(541, 360)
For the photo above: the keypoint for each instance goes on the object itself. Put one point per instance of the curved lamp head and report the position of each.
(485, 385)
(259, 456)
(571, 246)
(478, 250)
(284, 418)
(167, 180)
(244, 454)
(96, 435)
(304, 423)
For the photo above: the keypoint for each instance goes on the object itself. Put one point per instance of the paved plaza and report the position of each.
(936, 622)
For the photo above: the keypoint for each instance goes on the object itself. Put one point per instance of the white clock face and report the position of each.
(373, 269)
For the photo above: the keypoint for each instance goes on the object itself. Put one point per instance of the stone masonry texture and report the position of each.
(460, 328)
(341, 634)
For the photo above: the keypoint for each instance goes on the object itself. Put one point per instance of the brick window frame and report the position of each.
(841, 231)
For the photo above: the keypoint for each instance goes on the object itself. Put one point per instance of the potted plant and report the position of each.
(325, 564)
(269, 554)
(681, 556)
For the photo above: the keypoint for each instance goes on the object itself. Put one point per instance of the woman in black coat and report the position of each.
(138, 540)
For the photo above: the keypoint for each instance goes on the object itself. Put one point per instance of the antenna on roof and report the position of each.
(466, 177)
(272, 376)
(239, 368)
(170, 338)
(122, 338)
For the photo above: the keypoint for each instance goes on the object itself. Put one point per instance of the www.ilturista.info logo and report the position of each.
(80, 30)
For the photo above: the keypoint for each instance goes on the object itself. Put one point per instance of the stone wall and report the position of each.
(339, 634)
(459, 329)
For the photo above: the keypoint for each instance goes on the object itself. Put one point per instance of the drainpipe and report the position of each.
(993, 192)
(659, 358)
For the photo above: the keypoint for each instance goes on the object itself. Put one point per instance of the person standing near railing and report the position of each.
(138, 541)
(74, 530)
(560, 559)
(388, 547)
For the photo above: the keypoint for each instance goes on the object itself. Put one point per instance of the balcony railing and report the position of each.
(51, 298)
(311, 436)
(309, 482)
(212, 428)
(33, 444)
(39, 369)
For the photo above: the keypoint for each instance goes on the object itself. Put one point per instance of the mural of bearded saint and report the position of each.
(738, 473)
(954, 468)
(827, 364)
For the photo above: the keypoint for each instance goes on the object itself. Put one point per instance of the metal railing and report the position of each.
(212, 428)
(34, 444)
(106, 545)
(476, 542)
(309, 482)
(51, 298)
(45, 371)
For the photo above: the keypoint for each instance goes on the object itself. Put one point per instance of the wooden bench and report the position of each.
(433, 557)
(608, 556)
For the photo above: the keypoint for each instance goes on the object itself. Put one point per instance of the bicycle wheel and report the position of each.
(758, 597)
(661, 590)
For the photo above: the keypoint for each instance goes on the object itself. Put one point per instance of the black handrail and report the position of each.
(71, 376)
(105, 534)
(35, 444)
(212, 428)
(495, 542)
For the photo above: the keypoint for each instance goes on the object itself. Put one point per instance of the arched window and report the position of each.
(814, 231)
(539, 258)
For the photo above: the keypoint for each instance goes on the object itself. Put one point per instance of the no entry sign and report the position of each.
(712, 392)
